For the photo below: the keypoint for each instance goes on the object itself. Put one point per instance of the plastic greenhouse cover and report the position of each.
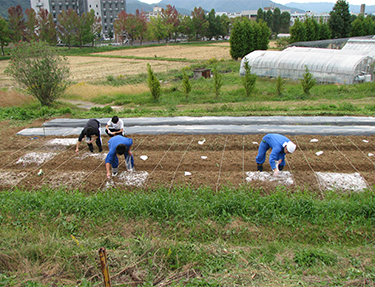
(219, 125)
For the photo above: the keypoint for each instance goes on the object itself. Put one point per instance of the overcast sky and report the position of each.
(352, 2)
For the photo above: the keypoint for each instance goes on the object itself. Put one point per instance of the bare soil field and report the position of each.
(215, 161)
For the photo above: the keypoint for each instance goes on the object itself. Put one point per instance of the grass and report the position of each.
(229, 238)
(184, 236)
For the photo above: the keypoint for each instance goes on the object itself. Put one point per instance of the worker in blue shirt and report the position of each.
(119, 145)
(280, 146)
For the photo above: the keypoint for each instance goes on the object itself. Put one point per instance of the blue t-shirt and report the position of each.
(277, 143)
(113, 143)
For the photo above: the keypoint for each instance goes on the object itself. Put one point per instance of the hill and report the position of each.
(327, 7)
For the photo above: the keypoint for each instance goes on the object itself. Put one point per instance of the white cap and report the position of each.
(291, 147)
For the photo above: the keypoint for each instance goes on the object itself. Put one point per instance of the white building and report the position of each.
(107, 10)
(309, 14)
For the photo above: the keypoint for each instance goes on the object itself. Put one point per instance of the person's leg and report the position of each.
(261, 157)
(99, 143)
(115, 166)
(91, 147)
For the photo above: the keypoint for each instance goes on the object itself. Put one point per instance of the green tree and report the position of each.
(236, 41)
(297, 32)
(280, 83)
(339, 20)
(153, 83)
(157, 28)
(200, 22)
(285, 22)
(67, 26)
(310, 29)
(141, 19)
(92, 27)
(369, 26)
(213, 25)
(38, 66)
(264, 38)
(186, 86)
(186, 27)
(307, 82)
(269, 18)
(324, 31)
(261, 15)
(4, 35)
(358, 28)
(276, 21)
(249, 79)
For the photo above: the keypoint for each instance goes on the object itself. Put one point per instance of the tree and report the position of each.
(358, 28)
(285, 22)
(31, 25)
(264, 38)
(153, 83)
(276, 21)
(310, 29)
(297, 32)
(171, 19)
(4, 35)
(38, 66)
(157, 28)
(16, 23)
(141, 18)
(186, 27)
(339, 20)
(236, 41)
(200, 22)
(120, 26)
(68, 26)
(46, 27)
(92, 25)
(261, 15)
(324, 31)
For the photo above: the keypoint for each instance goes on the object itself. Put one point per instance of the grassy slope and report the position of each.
(231, 238)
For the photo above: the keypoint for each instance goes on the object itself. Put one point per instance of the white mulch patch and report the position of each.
(65, 142)
(134, 178)
(36, 157)
(11, 177)
(343, 181)
(285, 177)
(66, 179)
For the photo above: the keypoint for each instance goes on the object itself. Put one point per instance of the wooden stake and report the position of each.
(104, 264)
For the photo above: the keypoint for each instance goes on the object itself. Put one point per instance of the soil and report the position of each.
(176, 160)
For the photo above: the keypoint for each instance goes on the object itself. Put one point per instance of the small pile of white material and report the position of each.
(35, 157)
(343, 181)
(132, 178)
(64, 142)
(284, 177)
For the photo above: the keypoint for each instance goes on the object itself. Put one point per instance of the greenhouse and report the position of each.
(345, 66)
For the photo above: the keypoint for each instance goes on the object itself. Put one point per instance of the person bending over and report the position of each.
(91, 132)
(280, 146)
(119, 145)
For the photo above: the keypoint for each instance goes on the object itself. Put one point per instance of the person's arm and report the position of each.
(107, 128)
(78, 142)
(108, 168)
(82, 134)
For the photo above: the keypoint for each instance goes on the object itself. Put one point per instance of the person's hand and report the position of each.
(77, 152)
(108, 175)
(276, 172)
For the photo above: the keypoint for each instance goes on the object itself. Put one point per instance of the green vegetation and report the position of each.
(38, 66)
(289, 239)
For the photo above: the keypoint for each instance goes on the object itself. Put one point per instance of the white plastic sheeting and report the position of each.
(326, 65)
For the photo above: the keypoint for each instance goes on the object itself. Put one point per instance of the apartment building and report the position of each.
(107, 10)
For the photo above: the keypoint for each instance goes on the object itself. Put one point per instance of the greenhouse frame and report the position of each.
(354, 63)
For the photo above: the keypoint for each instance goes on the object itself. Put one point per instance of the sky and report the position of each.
(351, 2)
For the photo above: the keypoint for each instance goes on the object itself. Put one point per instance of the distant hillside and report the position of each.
(133, 5)
(327, 7)
(227, 5)
(5, 5)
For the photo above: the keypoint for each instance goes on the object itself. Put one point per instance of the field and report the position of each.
(176, 160)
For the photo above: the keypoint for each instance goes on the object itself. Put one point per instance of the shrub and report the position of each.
(280, 82)
(248, 79)
(218, 81)
(38, 66)
(186, 84)
(307, 82)
(153, 83)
